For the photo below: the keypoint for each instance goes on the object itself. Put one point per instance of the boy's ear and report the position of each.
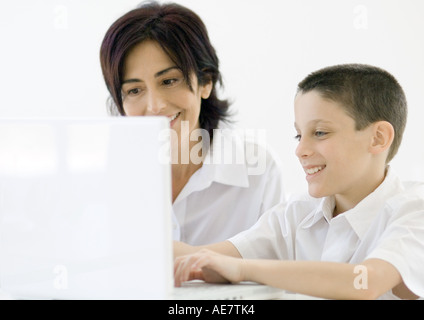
(383, 135)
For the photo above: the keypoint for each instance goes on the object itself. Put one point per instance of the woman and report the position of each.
(157, 60)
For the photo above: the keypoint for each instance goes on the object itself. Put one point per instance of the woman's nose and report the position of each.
(155, 103)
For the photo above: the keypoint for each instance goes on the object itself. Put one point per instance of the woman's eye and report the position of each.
(133, 92)
(169, 82)
(298, 137)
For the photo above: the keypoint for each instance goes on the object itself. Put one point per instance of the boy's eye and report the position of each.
(320, 134)
(298, 137)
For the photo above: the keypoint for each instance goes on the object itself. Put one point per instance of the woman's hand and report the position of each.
(208, 266)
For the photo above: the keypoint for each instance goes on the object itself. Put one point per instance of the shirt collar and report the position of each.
(225, 162)
(231, 171)
(324, 210)
(361, 216)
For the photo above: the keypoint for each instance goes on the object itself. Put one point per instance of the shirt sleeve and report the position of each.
(402, 245)
(176, 234)
(269, 238)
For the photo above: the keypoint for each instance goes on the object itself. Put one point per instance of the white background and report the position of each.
(49, 59)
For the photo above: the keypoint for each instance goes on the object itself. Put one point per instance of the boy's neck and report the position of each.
(345, 202)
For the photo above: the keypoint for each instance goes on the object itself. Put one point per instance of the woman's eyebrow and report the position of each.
(131, 81)
(157, 75)
(161, 73)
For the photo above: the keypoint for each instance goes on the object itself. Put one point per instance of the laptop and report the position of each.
(85, 212)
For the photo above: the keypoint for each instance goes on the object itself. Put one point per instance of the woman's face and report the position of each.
(154, 86)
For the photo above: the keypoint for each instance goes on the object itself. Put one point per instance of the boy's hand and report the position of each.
(208, 266)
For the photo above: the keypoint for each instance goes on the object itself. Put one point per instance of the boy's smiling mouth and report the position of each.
(311, 170)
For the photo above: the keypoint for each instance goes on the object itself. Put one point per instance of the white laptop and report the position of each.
(85, 212)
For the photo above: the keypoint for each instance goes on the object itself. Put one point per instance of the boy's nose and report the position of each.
(303, 149)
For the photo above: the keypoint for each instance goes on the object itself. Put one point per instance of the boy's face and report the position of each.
(334, 155)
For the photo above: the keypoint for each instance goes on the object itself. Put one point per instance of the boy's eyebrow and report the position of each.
(157, 75)
(320, 121)
(315, 122)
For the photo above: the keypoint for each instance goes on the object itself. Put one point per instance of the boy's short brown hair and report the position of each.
(368, 94)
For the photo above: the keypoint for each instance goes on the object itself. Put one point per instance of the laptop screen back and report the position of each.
(85, 208)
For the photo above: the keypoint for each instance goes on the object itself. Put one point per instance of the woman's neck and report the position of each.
(182, 171)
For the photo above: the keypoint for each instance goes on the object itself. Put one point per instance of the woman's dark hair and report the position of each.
(182, 35)
(367, 93)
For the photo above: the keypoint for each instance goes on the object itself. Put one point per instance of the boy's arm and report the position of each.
(225, 248)
(328, 280)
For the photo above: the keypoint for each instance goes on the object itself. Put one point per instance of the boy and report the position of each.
(360, 233)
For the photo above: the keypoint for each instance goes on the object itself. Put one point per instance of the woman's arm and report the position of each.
(321, 279)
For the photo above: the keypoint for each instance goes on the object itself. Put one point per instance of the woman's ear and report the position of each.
(383, 135)
(205, 90)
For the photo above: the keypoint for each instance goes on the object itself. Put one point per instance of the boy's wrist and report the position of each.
(244, 270)
(182, 249)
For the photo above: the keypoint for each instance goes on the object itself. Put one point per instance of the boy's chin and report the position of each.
(316, 193)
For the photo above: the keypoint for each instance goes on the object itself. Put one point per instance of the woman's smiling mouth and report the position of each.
(174, 118)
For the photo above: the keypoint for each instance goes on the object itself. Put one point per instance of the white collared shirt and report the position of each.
(388, 225)
(227, 196)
